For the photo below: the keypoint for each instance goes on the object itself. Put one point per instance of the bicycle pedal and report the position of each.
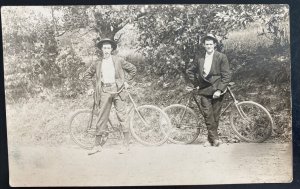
(91, 131)
(92, 153)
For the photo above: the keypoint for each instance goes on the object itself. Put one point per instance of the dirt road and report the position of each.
(165, 165)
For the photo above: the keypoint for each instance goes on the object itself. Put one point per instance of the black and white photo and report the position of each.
(143, 95)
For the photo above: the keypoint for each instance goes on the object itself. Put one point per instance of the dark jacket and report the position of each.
(121, 66)
(218, 77)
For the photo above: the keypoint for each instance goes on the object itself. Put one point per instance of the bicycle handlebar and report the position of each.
(197, 88)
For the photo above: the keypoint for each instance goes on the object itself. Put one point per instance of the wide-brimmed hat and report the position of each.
(107, 40)
(210, 36)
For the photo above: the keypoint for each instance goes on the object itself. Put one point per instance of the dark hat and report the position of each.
(106, 40)
(210, 36)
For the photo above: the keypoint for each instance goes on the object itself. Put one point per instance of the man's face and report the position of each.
(106, 49)
(209, 45)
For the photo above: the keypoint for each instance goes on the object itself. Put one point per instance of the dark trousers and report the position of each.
(107, 100)
(211, 109)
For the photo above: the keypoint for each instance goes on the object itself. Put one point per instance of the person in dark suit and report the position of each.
(110, 77)
(211, 74)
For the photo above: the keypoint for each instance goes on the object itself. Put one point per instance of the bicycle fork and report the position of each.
(185, 110)
(235, 102)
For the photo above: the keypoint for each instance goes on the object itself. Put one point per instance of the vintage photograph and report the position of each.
(147, 95)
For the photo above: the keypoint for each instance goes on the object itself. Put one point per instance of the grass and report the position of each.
(245, 40)
(41, 121)
(263, 75)
(45, 121)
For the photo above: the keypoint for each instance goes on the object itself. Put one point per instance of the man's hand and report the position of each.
(126, 85)
(90, 92)
(189, 89)
(217, 94)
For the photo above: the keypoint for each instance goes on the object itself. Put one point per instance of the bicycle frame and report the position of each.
(235, 102)
(229, 104)
(133, 106)
(249, 120)
(192, 96)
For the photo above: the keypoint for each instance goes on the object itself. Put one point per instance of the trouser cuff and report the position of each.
(101, 139)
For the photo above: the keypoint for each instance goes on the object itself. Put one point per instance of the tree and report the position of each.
(72, 24)
(30, 51)
(34, 47)
(170, 35)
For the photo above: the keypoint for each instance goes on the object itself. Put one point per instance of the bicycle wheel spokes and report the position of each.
(185, 126)
(251, 121)
(148, 125)
(80, 131)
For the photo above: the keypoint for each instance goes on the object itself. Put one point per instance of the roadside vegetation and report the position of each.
(42, 65)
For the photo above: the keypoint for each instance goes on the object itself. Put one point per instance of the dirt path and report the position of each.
(165, 165)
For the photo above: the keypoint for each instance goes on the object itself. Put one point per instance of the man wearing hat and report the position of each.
(211, 73)
(110, 78)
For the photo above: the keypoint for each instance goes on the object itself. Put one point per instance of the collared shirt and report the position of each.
(108, 70)
(207, 63)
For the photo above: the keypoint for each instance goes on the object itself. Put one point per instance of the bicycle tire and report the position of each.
(185, 134)
(253, 124)
(154, 133)
(78, 128)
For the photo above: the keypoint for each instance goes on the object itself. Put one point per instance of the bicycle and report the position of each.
(148, 124)
(250, 121)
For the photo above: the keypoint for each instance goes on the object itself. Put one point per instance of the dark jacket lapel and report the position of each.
(99, 69)
(115, 65)
(214, 62)
(201, 65)
(201, 68)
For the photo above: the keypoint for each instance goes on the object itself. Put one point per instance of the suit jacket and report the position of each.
(121, 66)
(218, 77)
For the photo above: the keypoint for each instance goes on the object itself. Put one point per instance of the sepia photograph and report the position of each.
(147, 95)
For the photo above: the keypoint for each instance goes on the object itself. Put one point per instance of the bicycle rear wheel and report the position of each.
(80, 131)
(150, 125)
(185, 124)
(251, 121)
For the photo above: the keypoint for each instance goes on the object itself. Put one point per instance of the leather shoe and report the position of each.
(95, 149)
(207, 144)
(124, 149)
(217, 143)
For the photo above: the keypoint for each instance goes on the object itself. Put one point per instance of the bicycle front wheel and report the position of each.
(149, 125)
(185, 124)
(251, 121)
(80, 130)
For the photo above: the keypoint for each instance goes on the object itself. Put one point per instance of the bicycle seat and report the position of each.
(231, 84)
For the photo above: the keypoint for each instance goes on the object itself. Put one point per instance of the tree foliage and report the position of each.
(170, 35)
(30, 50)
(48, 47)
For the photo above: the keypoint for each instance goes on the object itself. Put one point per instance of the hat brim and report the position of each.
(210, 38)
(113, 44)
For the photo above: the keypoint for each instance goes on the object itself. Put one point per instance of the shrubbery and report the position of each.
(45, 58)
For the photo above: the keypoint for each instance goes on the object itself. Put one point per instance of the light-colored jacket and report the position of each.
(121, 66)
